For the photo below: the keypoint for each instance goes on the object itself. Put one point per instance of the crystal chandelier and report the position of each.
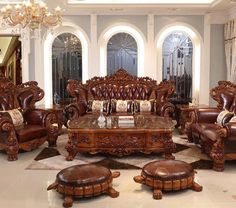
(31, 14)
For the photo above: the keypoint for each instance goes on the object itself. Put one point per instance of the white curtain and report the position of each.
(230, 49)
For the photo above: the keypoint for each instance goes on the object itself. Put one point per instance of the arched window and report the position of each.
(177, 61)
(66, 64)
(122, 53)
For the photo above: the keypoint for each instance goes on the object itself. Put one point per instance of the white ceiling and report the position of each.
(119, 7)
(141, 1)
(72, 7)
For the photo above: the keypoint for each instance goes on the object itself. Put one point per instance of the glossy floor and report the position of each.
(21, 188)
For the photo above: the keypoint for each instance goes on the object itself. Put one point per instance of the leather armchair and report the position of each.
(38, 126)
(218, 142)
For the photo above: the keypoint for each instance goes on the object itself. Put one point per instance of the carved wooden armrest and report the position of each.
(6, 124)
(39, 116)
(74, 110)
(11, 141)
(205, 115)
(222, 133)
(165, 109)
(230, 129)
(200, 115)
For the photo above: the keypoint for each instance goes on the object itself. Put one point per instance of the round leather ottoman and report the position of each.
(84, 181)
(167, 175)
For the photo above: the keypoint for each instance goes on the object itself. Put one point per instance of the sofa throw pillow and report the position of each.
(16, 116)
(94, 106)
(224, 117)
(144, 106)
(121, 106)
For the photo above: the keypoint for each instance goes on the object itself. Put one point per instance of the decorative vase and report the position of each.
(101, 118)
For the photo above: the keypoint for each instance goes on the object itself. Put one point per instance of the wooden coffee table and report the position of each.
(150, 133)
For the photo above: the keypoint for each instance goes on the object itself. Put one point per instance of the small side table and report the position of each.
(183, 114)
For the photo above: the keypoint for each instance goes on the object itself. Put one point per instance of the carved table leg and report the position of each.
(217, 155)
(112, 192)
(196, 187)
(12, 147)
(169, 146)
(71, 149)
(12, 155)
(68, 201)
(52, 136)
(218, 166)
(157, 194)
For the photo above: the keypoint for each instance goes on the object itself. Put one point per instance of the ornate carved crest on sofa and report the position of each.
(120, 86)
(217, 140)
(22, 126)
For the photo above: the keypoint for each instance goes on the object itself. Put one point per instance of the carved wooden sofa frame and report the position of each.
(223, 146)
(120, 85)
(24, 96)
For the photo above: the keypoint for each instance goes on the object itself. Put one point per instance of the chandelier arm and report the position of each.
(52, 20)
(32, 15)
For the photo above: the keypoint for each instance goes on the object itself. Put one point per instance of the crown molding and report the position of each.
(232, 13)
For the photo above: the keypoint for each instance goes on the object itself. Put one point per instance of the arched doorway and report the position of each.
(122, 53)
(46, 77)
(116, 29)
(66, 64)
(177, 54)
(197, 44)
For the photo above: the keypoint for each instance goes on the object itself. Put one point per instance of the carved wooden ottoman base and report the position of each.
(167, 175)
(84, 181)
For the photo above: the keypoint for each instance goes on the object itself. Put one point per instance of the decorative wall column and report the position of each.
(93, 64)
(150, 63)
(38, 51)
(25, 44)
(205, 63)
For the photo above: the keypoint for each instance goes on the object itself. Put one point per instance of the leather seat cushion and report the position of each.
(166, 170)
(30, 132)
(83, 175)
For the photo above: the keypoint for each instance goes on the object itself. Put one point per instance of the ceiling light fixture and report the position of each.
(32, 15)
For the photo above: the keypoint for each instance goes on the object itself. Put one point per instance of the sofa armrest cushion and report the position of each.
(224, 117)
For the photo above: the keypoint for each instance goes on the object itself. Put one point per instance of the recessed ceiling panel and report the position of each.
(15, 1)
(140, 1)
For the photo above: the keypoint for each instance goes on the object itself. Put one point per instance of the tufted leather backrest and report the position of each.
(15, 96)
(127, 92)
(120, 85)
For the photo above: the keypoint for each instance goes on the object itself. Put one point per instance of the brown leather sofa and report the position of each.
(37, 125)
(120, 86)
(217, 141)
